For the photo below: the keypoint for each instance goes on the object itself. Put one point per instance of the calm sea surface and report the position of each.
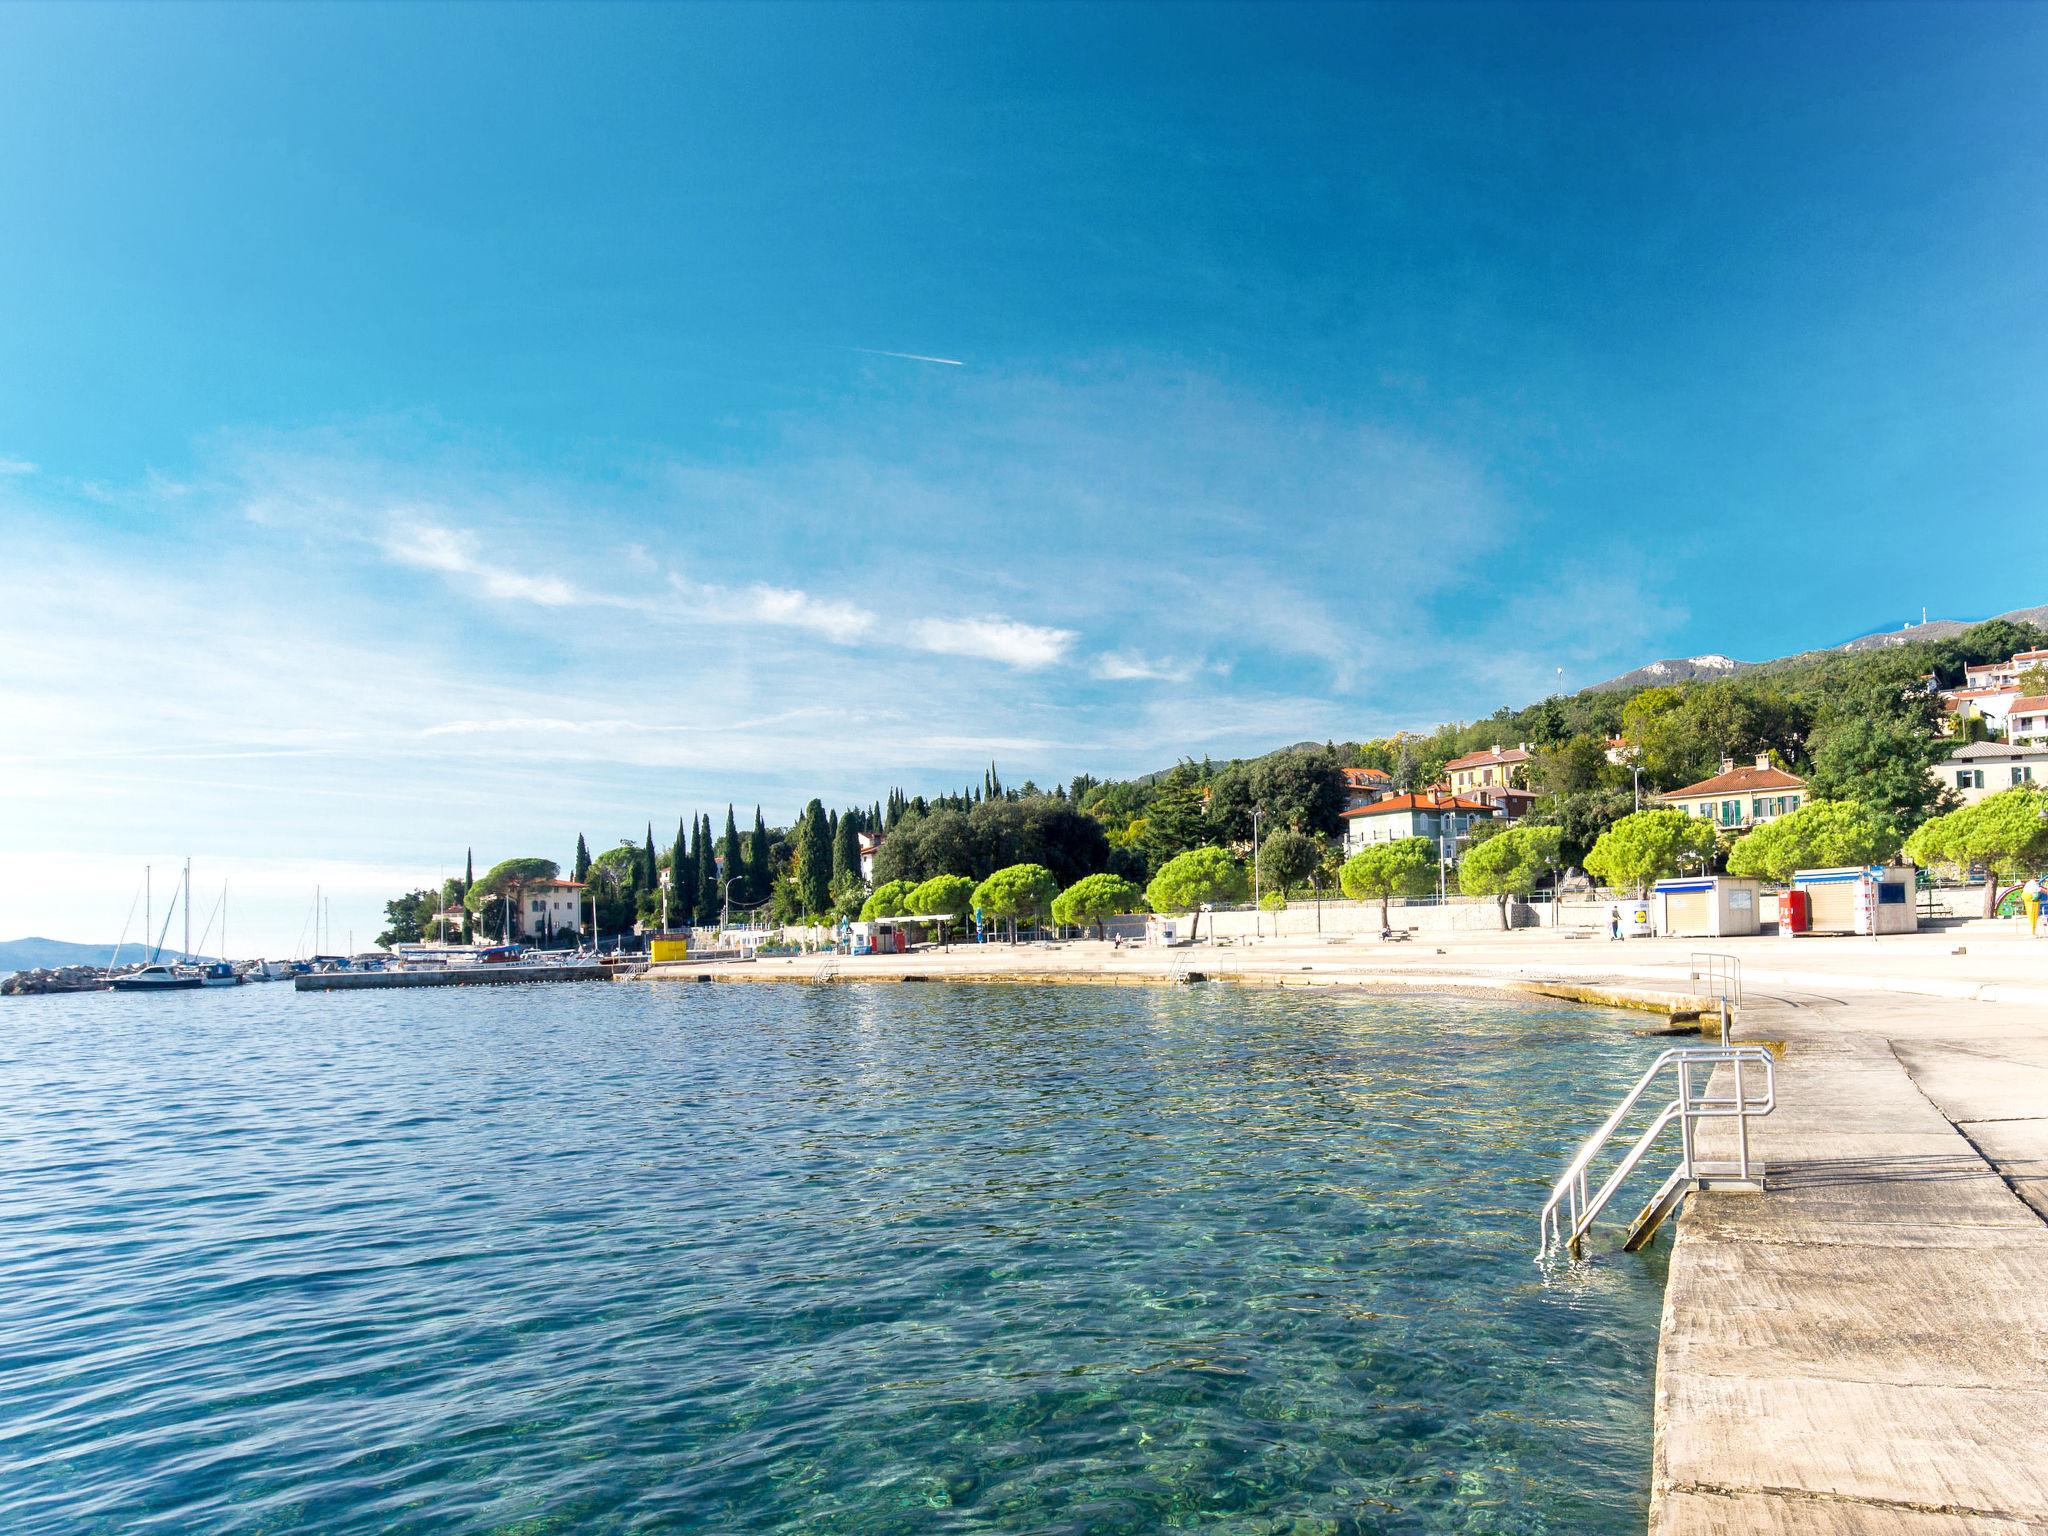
(821, 1260)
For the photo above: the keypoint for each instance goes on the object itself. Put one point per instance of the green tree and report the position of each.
(1509, 864)
(1878, 764)
(760, 867)
(1821, 834)
(942, 896)
(1649, 846)
(887, 901)
(582, 859)
(733, 866)
(407, 919)
(708, 910)
(1381, 871)
(846, 846)
(1021, 891)
(2007, 833)
(1176, 819)
(1580, 818)
(683, 877)
(814, 859)
(1200, 877)
(1288, 858)
(1093, 898)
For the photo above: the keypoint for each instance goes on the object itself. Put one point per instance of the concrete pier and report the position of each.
(1863, 1349)
(453, 976)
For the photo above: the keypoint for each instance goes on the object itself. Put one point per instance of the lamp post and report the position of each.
(725, 907)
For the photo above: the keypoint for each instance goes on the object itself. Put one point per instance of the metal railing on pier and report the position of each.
(1576, 1201)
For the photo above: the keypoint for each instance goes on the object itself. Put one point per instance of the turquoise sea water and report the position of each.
(822, 1260)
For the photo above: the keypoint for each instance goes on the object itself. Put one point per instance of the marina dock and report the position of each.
(452, 976)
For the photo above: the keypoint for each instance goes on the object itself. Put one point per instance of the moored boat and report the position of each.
(158, 978)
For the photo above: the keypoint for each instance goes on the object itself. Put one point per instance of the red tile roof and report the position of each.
(1363, 776)
(1421, 803)
(1738, 781)
(2032, 704)
(1490, 755)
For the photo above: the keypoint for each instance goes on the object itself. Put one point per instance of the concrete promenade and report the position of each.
(1862, 1350)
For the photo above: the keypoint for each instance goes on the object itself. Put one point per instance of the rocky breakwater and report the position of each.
(62, 978)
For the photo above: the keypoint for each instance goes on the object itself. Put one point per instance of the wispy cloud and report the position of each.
(452, 552)
(16, 466)
(1028, 646)
(1136, 667)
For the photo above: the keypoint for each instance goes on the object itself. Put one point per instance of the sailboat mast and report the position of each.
(188, 911)
(148, 913)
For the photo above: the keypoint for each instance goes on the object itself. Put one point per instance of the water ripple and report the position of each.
(830, 1261)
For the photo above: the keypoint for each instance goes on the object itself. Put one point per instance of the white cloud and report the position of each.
(1026, 646)
(16, 467)
(449, 551)
(843, 622)
(1136, 667)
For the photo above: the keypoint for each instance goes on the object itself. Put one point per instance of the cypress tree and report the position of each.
(707, 874)
(814, 859)
(649, 866)
(846, 846)
(582, 859)
(760, 878)
(680, 877)
(468, 871)
(735, 866)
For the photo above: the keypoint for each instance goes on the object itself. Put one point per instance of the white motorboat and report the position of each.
(158, 978)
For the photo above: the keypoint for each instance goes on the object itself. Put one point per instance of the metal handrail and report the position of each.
(1573, 1207)
(1721, 972)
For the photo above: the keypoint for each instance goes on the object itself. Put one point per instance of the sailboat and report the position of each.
(157, 976)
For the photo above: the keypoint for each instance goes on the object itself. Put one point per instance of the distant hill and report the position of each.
(1683, 669)
(1691, 668)
(33, 954)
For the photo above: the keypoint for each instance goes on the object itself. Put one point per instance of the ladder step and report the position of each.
(1653, 1215)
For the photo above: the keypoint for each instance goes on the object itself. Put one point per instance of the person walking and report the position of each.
(1613, 922)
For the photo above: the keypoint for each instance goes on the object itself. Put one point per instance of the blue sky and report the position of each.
(424, 428)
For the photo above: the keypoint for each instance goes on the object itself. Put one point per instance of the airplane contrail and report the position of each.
(909, 357)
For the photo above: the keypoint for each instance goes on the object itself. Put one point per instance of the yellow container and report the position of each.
(668, 946)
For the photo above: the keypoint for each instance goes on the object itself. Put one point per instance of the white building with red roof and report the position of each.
(1362, 786)
(1740, 798)
(1432, 814)
(2026, 723)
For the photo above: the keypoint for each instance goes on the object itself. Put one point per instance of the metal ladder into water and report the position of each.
(1576, 1201)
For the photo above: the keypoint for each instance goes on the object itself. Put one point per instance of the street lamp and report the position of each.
(725, 907)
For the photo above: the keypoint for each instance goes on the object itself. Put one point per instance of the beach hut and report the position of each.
(1707, 907)
(1855, 899)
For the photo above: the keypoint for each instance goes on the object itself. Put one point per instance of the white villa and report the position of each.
(1434, 815)
(1983, 768)
(546, 908)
